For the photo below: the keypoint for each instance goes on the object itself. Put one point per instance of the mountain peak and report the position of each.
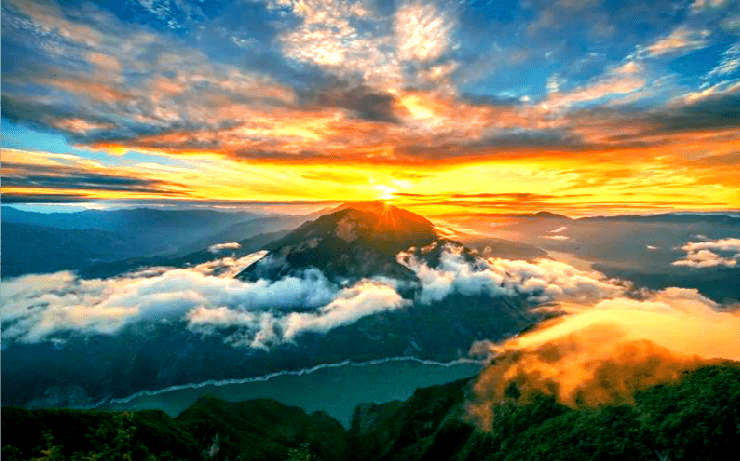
(357, 239)
(391, 221)
(549, 215)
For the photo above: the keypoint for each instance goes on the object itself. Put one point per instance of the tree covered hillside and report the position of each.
(697, 417)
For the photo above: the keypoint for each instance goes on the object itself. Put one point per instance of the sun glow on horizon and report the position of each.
(349, 108)
(386, 193)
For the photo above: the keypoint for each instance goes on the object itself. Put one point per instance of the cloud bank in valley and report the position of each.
(37, 307)
(603, 353)
(265, 328)
(712, 253)
(209, 301)
(467, 274)
(206, 297)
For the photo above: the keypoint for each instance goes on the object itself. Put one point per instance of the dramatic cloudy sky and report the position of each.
(577, 106)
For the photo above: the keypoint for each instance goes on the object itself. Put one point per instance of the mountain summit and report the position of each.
(384, 225)
(356, 240)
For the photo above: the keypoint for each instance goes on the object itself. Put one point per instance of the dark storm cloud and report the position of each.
(700, 114)
(530, 138)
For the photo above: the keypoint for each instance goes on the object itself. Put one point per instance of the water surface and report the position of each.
(334, 388)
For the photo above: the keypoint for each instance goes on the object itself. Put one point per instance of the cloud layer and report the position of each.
(460, 272)
(712, 253)
(604, 352)
(265, 313)
(37, 307)
(219, 247)
(206, 297)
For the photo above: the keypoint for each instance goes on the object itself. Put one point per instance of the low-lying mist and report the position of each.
(603, 353)
(208, 300)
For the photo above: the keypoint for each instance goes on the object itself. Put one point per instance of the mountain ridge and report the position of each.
(357, 240)
(695, 417)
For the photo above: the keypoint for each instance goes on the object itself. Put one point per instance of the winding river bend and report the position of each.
(334, 388)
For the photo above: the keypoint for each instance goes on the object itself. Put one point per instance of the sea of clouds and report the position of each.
(208, 300)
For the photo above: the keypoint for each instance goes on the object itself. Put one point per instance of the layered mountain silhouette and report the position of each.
(104, 243)
(356, 240)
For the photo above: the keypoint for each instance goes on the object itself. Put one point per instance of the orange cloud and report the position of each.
(604, 353)
(681, 39)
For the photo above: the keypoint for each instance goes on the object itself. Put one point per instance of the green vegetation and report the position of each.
(76, 435)
(695, 418)
(698, 418)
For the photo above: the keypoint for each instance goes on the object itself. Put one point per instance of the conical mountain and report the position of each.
(356, 240)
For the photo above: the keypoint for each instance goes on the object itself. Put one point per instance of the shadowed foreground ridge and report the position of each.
(697, 417)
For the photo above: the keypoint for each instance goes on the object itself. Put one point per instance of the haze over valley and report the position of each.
(362, 282)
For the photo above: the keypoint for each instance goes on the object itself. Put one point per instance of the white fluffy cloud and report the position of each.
(713, 253)
(422, 32)
(207, 297)
(218, 247)
(267, 328)
(328, 37)
(543, 280)
(208, 300)
(350, 305)
(337, 36)
(36, 307)
(229, 266)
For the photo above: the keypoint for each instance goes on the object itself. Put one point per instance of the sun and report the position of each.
(386, 193)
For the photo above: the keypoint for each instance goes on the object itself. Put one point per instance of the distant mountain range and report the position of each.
(639, 248)
(108, 242)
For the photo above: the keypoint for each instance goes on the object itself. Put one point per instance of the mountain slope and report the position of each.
(263, 429)
(697, 417)
(356, 241)
(30, 248)
(111, 268)
(103, 243)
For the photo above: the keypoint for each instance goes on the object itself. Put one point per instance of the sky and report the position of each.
(572, 106)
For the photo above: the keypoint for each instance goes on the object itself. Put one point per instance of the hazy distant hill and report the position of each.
(245, 229)
(639, 248)
(129, 220)
(111, 268)
(34, 249)
(107, 242)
